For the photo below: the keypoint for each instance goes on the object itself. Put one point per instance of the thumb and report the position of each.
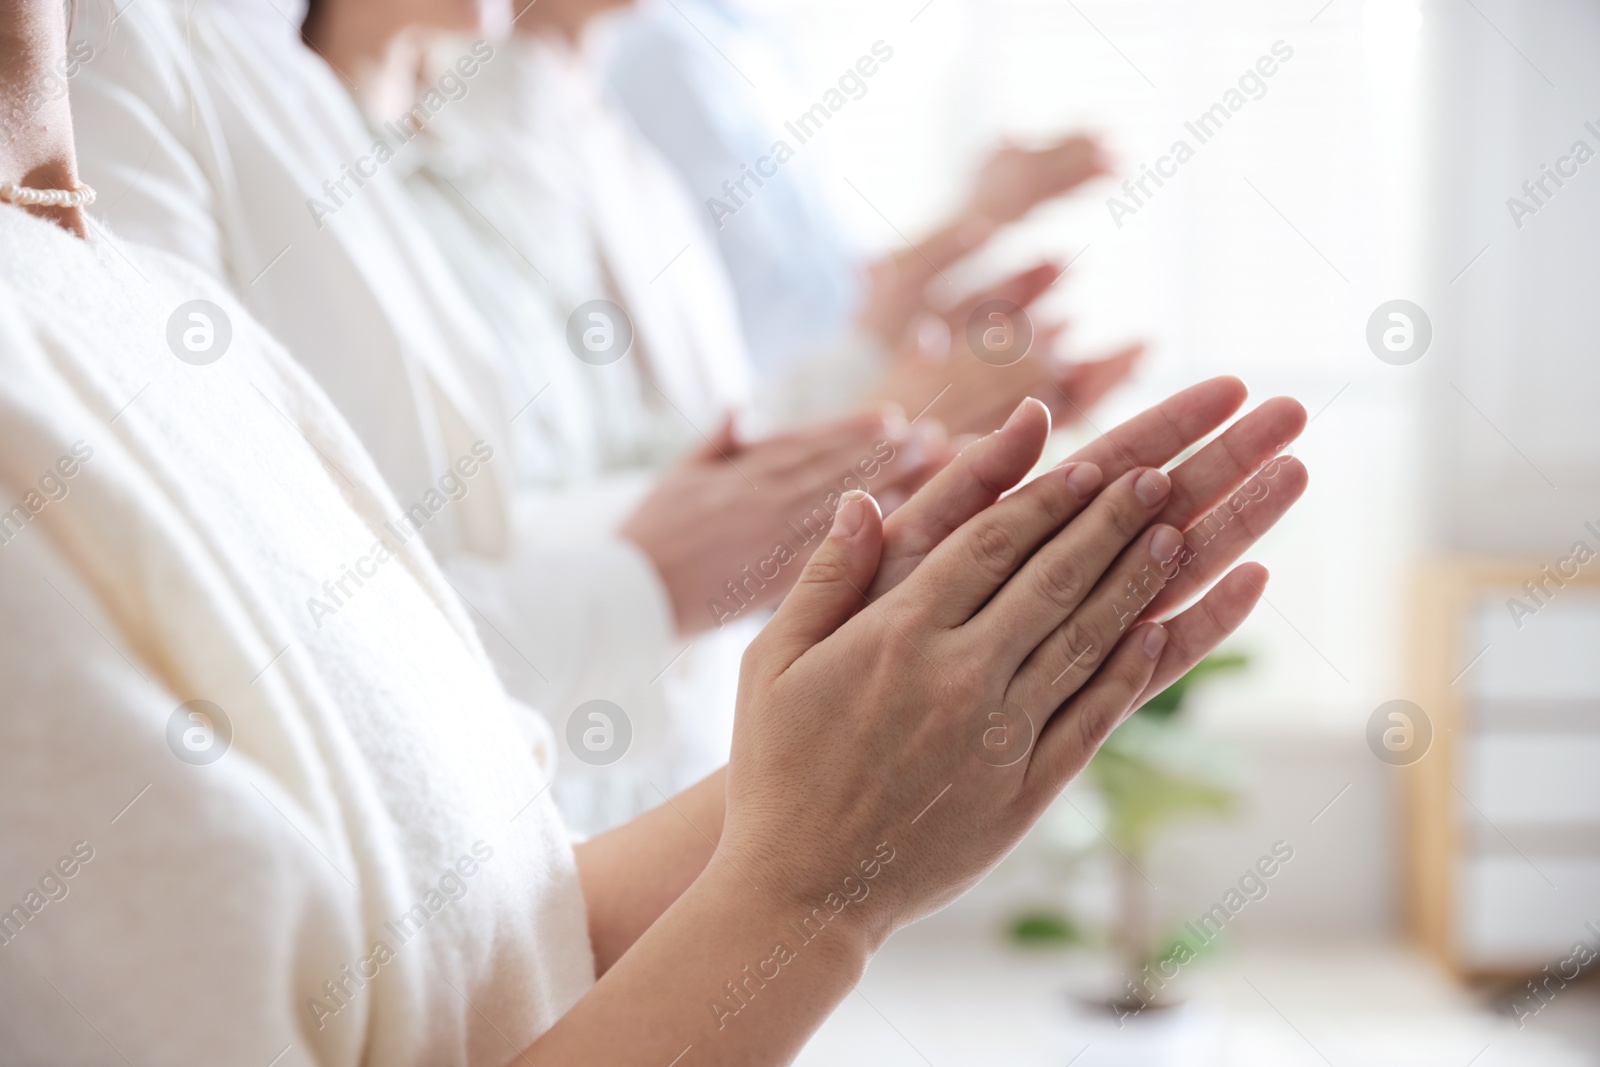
(832, 588)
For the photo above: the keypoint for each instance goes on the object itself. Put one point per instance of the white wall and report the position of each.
(1518, 333)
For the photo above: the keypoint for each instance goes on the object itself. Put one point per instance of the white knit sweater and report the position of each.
(371, 872)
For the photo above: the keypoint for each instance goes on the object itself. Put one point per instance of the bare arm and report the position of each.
(632, 874)
(671, 993)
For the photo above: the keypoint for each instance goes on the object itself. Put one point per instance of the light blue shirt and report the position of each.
(797, 281)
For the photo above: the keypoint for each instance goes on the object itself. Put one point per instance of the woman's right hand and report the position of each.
(870, 783)
(936, 723)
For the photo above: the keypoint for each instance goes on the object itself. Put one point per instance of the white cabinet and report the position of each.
(1503, 848)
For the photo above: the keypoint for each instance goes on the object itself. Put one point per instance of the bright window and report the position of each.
(1263, 254)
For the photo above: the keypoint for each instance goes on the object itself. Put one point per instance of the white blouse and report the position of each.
(542, 155)
(237, 826)
(532, 176)
(541, 201)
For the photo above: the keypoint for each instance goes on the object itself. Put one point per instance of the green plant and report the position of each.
(1045, 929)
(1150, 773)
(1166, 703)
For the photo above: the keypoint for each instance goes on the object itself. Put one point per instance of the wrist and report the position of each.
(787, 927)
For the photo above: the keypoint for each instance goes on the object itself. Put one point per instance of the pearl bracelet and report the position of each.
(21, 195)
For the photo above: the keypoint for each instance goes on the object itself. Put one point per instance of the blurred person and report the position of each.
(796, 272)
(585, 213)
(561, 186)
(532, 249)
(215, 134)
(677, 66)
(334, 846)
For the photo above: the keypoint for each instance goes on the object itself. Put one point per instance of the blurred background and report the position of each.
(1441, 897)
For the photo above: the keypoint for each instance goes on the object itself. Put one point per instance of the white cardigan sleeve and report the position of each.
(570, 616)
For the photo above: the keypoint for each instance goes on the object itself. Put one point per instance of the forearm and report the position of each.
(727, 971)
(632, 874)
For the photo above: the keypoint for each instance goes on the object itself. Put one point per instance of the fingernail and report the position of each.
(1083, 479)
(852, 509)
(1155, 639)
(1152, 487)
(1015, 417)
(1165, 544)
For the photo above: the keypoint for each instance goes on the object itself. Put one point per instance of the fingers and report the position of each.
(1192, 634)
(1075, 160)
(781, 458)
(1140, 588)
(1074, 733)
(1016, 180)
(1230, 493)
(1071, 652)
(975, 479)
(1205, 479)
(1227, 495)
(1044, 595)
(981, 559)
(1020, 289)
(941, 249)
(908, 466)
(1224, 534)
(1153, 437)
(975, 395)
(1082, 385)
(1045, 336)
(898, 283)
(876, 451)
(1077, 648)
(830, 587)
(998, 462)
